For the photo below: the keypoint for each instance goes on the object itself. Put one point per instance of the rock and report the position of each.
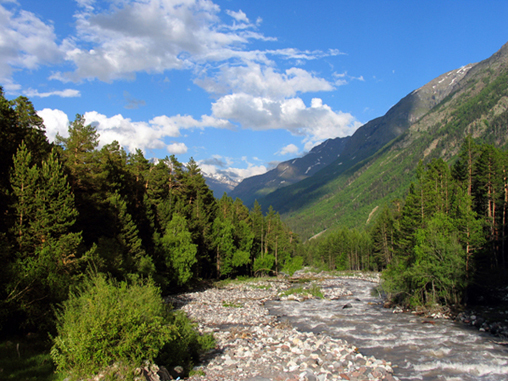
(164, 374)
(348, 305)
(176, 372)
(257, 346)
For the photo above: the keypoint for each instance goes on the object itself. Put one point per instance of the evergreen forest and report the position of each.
(444, 243)
(83, 223)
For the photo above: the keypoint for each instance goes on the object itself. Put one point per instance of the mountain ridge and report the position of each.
(475, 102)
(348, 151)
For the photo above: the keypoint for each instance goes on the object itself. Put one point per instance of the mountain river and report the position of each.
(419, 348)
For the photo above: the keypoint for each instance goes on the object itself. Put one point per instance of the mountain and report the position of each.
(346, 152)
(289, 172)
(379, 161)
(219, 183)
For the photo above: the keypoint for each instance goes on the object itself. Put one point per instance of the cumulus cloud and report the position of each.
(238, 16)
(177, 148)
(290, 149)
(117, 40)
(150, 36)
(264, 81)
(131, 134)
(56, 121)
(317, 122)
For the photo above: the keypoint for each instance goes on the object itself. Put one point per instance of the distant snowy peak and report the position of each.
(219, 177)
(219, 183)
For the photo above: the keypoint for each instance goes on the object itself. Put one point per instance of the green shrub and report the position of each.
(185, 350)
(107, 322)
(264, 264)
(292, 265)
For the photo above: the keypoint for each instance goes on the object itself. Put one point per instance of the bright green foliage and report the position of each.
(264, 264)
(45, 253)
(179, 251)
(105, 322)
(344, 249)
(292, 265)
(439, 272)
(452, 229)
(24, 181)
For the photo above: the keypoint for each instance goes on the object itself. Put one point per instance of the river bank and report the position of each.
(254, 345)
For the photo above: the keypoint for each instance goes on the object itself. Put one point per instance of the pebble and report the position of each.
(253, 345)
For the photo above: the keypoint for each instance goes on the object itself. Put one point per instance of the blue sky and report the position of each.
(238, 85)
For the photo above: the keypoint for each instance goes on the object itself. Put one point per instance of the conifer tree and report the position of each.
(45, 255)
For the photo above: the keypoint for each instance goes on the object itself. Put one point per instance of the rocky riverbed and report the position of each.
(254, 345)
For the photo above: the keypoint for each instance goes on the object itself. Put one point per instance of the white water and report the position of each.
(418, 351)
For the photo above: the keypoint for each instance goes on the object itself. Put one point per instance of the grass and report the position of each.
(313, 290)
(27, 359)
(232, 304)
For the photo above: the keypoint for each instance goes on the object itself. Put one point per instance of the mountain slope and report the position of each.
(474, 101)
(347, 152)
(289, 172)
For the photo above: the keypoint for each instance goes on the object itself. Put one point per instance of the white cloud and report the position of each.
(67, 93)
(26, 42)
(150, 36)
(290, 149)
(317, 122)
(238, 16)
(130, 134)
(177, 148)
(263, 81)
(56, 121)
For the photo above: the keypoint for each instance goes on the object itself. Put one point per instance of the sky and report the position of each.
(238, 85)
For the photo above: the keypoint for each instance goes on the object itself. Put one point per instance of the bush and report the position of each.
(292, 265)
(106, 322)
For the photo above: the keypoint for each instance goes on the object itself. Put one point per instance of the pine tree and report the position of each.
(46, 250)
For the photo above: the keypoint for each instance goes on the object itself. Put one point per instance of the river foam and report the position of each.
(419, 348)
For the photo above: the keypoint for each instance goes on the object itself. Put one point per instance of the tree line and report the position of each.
(441, 244)
(68, 207)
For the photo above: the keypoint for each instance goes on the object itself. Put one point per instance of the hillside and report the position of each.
(347, 152)
(470, 100)
(289, 172)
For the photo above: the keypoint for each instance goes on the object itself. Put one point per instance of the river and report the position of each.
(419, 348)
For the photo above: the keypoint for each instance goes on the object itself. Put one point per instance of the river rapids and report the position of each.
(419, 348)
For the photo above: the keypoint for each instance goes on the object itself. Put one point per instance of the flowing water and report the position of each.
(419, 348)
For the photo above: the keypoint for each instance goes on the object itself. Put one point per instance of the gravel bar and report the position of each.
(253, 345)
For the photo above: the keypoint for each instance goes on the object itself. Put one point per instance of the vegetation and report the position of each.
(107, 323)
(441, 244)
(313, 290)
(351, 196)
(71, 208)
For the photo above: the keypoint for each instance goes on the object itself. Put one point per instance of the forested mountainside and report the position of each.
(348, 151)
(470, 100)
